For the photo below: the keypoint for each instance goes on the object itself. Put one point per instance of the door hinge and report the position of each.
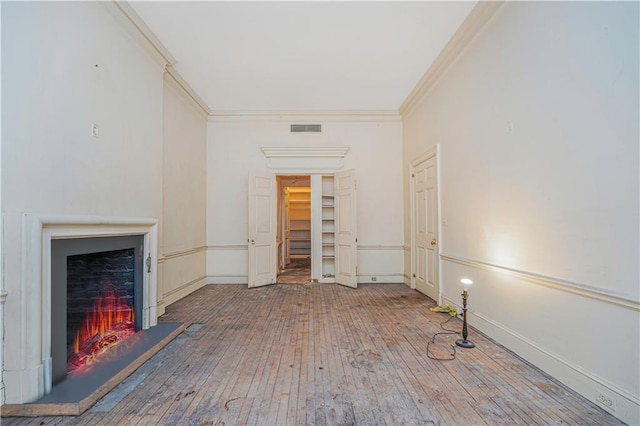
(148, 262)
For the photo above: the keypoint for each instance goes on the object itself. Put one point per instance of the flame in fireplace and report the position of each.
(109, 322)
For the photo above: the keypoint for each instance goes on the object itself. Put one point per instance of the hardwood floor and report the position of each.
(298, 271)
(317, 354)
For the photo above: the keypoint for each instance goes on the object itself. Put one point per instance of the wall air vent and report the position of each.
(306, 128)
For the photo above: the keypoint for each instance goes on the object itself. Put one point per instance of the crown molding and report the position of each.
(479, 16)
(186, 90)
(133, 23)
(302, 116)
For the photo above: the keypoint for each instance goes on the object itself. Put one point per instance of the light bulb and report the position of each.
(466, 283)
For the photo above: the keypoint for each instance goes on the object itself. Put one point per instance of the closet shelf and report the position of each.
(299, 218)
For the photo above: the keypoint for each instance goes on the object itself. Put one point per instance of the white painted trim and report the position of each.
(136, 21)
(122, 11)
(186, 286)
(305, 116)
(187, 91)
(119, 11)
(407, 280)
(227, 279)
(180, 253)
(228, 247)
(379, 247)
(282, 170)
(307, 160)
(561, 369)
(38, 231)
(600, 294)
(470, 28)
(380, 278)
(304, 152)
(412, 226)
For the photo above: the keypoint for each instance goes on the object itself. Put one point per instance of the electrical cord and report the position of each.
(452, 356)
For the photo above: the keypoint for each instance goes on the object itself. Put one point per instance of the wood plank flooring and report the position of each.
(322, 354)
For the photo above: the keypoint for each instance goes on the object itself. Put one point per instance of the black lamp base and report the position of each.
(465, 343)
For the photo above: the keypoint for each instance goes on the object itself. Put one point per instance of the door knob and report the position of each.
(253, 242)
(434, 242)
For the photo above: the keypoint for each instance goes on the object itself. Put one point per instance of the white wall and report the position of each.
(545, 218)
(182, 267)
(375, 152)
(67, 65)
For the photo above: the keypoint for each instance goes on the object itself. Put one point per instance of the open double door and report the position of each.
(262, 229)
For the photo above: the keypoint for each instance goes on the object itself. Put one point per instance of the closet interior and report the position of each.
(306, 225)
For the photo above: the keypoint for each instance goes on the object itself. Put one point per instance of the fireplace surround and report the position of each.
(28, 369)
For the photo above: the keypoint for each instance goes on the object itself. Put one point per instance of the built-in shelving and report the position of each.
(328, 230)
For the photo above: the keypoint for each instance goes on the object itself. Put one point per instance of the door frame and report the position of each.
(282, 183)
(284, 172)
(432, 152)
(280, 175)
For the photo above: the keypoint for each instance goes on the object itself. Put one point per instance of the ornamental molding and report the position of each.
(301, 159)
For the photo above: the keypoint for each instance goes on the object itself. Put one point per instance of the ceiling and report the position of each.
(303, 56)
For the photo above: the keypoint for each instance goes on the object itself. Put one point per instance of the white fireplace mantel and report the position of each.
(27, 346)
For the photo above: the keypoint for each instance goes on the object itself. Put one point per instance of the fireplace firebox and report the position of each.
(96, 298)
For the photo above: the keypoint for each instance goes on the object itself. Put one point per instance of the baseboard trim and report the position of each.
(184, 286)
(185, 289)
(583, 382)
(374, 278)
(227, 279)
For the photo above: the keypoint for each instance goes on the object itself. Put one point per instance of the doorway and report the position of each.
(424, 190)
(274, 238)
(294, 229)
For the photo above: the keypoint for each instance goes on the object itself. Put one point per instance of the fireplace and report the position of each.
(96, 297)
(31, 297)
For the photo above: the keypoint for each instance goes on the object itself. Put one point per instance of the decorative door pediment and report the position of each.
(305, 159)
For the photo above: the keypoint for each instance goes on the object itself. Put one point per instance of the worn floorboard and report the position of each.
(322, 354)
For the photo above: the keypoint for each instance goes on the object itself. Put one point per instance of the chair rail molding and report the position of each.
(584, 290)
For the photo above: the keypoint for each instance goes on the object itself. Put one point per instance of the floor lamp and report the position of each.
(464, 343)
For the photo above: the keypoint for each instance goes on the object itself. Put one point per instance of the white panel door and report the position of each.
(345, 228)
(262, 229)
(425, 216)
